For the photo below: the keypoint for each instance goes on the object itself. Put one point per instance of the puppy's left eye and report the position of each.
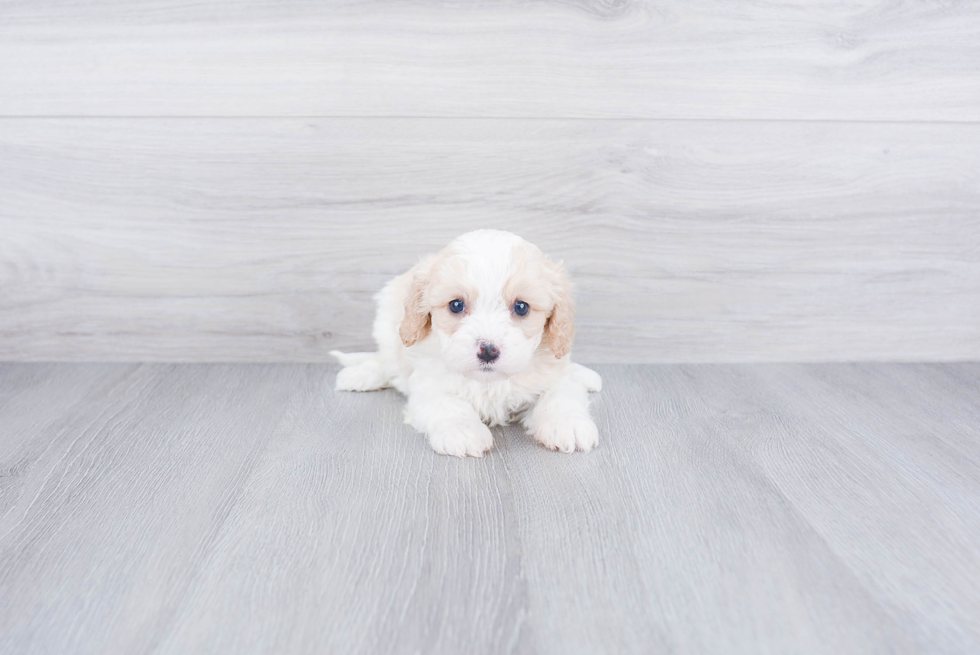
(521, 308)
(457, 306)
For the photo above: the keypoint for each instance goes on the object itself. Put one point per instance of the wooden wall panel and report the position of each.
(264, 239)
(706, 59)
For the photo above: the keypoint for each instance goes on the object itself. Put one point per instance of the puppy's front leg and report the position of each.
(560, 419)
(452, 425)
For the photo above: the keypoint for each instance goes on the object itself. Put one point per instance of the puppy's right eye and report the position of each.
(456, 306)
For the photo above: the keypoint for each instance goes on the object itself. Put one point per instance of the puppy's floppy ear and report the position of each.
(560, 328)
(417, 322)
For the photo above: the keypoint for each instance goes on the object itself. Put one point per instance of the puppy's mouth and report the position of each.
(486, 372)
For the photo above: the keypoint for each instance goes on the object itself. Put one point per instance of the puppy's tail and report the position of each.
(353, 359)
(361, 372)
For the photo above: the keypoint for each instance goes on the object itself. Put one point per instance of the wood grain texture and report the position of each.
(264, 240)
(867, 60)
(251, 509)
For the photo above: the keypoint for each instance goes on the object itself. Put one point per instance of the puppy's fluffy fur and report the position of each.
(483, 363)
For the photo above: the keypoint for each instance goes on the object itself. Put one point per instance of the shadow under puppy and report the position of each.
(480, 333)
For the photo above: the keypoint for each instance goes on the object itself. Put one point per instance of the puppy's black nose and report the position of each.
(488, 352)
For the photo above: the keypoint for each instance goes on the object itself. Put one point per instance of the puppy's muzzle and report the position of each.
(488, 352)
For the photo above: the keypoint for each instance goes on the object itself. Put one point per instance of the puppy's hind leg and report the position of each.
(361, 372)
(588, 378)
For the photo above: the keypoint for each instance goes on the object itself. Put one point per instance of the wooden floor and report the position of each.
(250, 508)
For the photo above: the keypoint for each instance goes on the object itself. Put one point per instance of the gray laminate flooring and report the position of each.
(728, 509)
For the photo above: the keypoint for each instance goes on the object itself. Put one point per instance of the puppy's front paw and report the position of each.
(461, 438)
(566, 433)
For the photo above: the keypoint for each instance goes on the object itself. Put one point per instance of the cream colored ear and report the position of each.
(560, 328)
(417, 321)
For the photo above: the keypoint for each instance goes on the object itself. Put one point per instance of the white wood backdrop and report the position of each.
(846, 60)
(726, 182)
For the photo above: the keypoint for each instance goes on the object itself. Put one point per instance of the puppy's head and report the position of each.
(492, 300)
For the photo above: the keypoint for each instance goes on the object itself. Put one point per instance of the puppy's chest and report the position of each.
(498, 403)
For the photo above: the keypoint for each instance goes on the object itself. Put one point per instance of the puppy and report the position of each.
(480, 334)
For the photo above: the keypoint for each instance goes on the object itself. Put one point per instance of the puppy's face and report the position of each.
(492, 301)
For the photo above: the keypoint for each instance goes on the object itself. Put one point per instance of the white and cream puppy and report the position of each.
(480, 334)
